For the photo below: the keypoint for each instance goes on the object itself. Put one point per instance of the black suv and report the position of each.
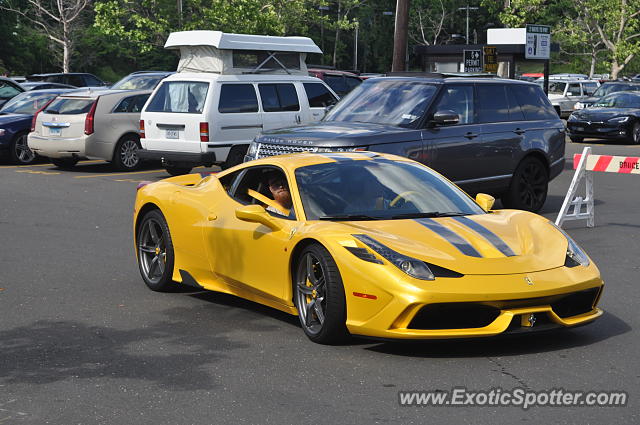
(485, 134)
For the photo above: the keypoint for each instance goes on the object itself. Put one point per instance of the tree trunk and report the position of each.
(615, 69)
(592, 69)
(66, 54)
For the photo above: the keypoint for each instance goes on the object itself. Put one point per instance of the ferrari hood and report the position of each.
(502, 242)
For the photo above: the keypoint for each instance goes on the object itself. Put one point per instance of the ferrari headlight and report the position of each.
(619, 119)
(575, 255)
(252, 152)
(411, 266)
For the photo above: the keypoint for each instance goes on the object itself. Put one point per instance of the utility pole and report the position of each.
(467, 9)
(400, 36)
(355, 48)
(180, 13)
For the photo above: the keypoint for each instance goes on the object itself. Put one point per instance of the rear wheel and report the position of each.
(235, 157)
(64, 163)
(635, 134)
(155, 252)
(528, 187)
(178, 171)
(20, 152)
(319, 296)
(125, 155)
(577, 139)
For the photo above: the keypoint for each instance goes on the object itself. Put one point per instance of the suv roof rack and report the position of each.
(440, 74)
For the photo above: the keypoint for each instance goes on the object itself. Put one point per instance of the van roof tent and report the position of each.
(224, 53)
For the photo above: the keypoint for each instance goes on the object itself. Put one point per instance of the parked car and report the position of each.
(605, 89)
(15, 122)
(485, 134)
(341, 82)
(373, 245)
(76, 79)
(9, 89)
(198, 117)
(141, 80)
(90, 124)
(564, 93)
(615, 116)
(34, 85)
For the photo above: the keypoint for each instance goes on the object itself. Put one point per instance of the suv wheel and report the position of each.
(125, 155)
(528, 187)
(178, 171)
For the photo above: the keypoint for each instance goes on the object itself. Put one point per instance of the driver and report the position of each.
(279, 189)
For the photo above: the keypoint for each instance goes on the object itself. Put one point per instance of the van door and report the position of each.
(236, 116)
(319, 97)
(280, 105)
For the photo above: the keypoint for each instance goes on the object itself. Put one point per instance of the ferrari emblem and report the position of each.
(528, 280)
(532, 319)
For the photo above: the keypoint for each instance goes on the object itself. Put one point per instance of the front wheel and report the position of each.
(154, 249)
(528, 187)
(178, 171)
(635, 134)
(20, 152)
(319, 296)
(64, 163)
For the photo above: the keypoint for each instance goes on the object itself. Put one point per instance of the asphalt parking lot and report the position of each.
(83, 341)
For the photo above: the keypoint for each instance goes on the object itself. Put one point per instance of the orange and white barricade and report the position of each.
(585, 164)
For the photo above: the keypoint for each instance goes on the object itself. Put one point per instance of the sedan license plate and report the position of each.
(173, 134)
(55, 131)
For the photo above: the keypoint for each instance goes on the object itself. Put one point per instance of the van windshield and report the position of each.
(385, 101)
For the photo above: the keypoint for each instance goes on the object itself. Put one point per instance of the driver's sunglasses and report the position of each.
(278, 183)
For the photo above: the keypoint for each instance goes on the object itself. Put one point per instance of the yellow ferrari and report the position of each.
(367, 244)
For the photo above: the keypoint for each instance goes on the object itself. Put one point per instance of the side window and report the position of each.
(589, 88)
(337, 83)
(179, 97)
(235, 98)
(492, 103)
(92, 81)
(56, 79)
(228, 180)
(138, 102)
(515, 111)
(574, 90)
(7, 91)
(352, 82)
(261, 185)
(124, 105)
(279, 97)
(76, 80)
(535, 105)
(459, 99)
(319, 96)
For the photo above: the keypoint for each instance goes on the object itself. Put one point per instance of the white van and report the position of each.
(228, 88)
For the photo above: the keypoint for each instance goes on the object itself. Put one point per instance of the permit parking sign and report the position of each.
(472, 61)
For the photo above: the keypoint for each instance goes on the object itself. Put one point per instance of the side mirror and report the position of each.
(329, 107)
(446, 117)
(485, 201)
(257, 214)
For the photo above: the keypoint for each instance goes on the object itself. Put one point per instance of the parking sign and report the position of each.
(538, 42)
(472, 61)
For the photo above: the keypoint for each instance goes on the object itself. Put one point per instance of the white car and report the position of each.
(564, 93)
(228, 88)
(99, 124)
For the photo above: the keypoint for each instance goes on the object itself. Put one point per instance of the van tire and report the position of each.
(235, 157)
(178, 171)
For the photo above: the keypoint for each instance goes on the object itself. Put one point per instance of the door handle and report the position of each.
(212, 217)
(519, 131)
(470, 135)
(298, 120)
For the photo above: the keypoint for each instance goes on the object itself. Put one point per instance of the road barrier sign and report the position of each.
(610, 163)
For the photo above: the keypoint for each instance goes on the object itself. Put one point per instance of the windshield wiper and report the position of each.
(349, 217)
(429, 214)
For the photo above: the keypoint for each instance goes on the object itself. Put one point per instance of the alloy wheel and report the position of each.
(152, 250)
(311, 294)
(129, 154)
(532, 185)
(22, 151)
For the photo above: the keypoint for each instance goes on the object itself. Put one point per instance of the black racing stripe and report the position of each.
(455, 240)
(335, 156)
(487, 234)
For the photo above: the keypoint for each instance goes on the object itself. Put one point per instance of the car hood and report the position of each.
(338, 133)
(502, 242)
(603, 114)
(12, 118)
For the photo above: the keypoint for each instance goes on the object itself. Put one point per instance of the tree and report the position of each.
(57, 19)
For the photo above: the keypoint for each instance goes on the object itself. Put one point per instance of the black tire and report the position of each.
(178, 171)
(235, 157)
(64, 163)
(319, 296)
(528, 187)
(19, 151)
(154, 250)
(577, 139)
(125, 155)
(635, 134)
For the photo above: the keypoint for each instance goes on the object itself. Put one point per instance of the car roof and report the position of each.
(210, 76)
(451, 79)
(332, 72)
(93, 94)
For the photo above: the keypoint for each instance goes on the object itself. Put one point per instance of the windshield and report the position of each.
(138, 82)
(378, 190)
(27, 103)
(619, 100)
(606, 89)
(556, 88)
(385, 101)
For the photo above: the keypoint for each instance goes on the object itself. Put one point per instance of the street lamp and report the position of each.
(322, 9)
(467, 8)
